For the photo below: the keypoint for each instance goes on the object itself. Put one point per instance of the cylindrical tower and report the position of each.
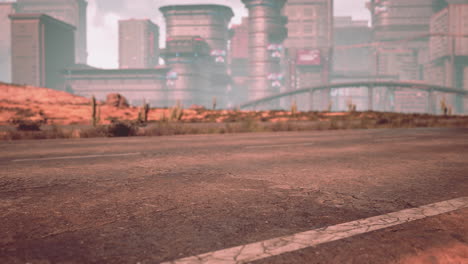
(266, 29)
(210, 22)
(187, 81)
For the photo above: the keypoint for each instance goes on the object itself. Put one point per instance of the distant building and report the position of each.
(189, 81)
(351, 61)
(240, 40)
(210, 23)
(136, 85)
(402, 28)
(41, 47)
(352, 53)
(448, 64)
(72, 12)
(207, 21)
(310, 36)
(138, 44)
(239, 62)
(267, 33)
(6, 9)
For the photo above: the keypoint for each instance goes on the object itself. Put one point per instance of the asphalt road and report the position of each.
(158, 199)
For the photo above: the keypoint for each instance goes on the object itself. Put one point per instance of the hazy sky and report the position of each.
(104, 14)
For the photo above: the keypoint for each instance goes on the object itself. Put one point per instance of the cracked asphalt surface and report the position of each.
(187, 195)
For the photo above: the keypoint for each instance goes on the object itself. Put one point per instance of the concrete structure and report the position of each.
(310, 35)
(449, 51)
(190, 62)
(352, 54)
(6, 9)
(239, 62)
(351, 61)
(402, 27)
(137, 85)
(266, 34)
(210, 22)
(138, 44)
(72, 12)
(426, 90)
(41, 47)
(402, 30)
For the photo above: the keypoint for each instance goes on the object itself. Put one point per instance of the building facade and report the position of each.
(401, 28)
(138, 44)
(309, 48)
(401, 33)
(239, 62)
(210, 23)
(136, 85)
(448, 64)
(72, 12)
(352, 53)
(351, 62)
(43, 46)
(6, 9)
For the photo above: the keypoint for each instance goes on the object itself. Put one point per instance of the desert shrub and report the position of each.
(121, 129)
(25, 125)
(383, 121)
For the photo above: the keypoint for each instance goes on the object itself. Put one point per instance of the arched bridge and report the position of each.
(411, 85)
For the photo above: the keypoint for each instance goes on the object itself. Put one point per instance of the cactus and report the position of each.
(94, 112)
(176, 112)
(146, 110)
(214, 103)
(294, 108)
(351, 106)
(143, 113)
(444, 107)
(98, 118)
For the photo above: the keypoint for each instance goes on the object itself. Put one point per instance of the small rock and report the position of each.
(116, 100)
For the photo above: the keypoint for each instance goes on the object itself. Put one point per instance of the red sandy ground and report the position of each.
(62, 108)
(27, 102)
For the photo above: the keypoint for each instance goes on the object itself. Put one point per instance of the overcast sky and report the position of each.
(104, 14)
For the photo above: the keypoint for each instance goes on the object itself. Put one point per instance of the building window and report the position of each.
(309, 12)
(309, 29)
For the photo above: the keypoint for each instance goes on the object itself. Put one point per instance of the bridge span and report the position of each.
(431, 89)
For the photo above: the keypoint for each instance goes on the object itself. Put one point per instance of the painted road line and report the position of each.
(280, 245)
(390, 139)
(79, 157)
(280, 145)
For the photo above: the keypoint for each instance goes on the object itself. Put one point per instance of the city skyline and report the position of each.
(103, 19)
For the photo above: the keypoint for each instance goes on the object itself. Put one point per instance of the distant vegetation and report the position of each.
(39, 113)
(237, 122)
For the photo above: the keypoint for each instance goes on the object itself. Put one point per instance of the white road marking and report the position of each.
(79, 157)
(280, 245)
(388, 139)
(280, 145)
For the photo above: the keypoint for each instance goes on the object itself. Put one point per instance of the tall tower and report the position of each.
(210, 23)
(43, 48)
(6, 9)
(138, 44)
(266, 31)
(72, 12)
